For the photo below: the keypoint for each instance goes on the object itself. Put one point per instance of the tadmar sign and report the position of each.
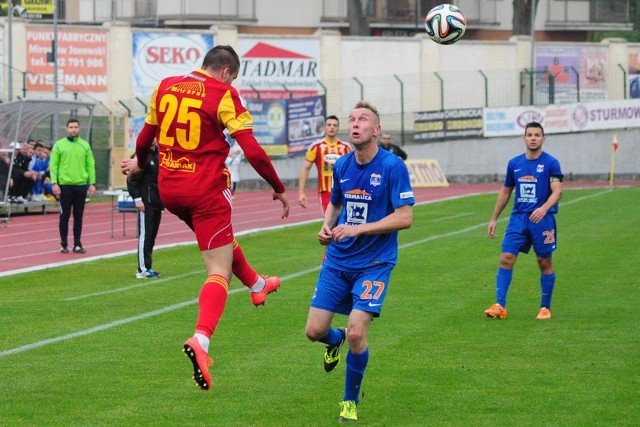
(279, 69)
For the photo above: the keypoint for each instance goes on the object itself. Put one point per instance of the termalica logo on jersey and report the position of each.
(527, 178)
(279, 69)
(357, 195)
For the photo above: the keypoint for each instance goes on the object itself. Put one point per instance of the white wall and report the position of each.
(289, 13)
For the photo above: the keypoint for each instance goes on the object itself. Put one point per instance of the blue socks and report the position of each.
(332, 338)
(547, 282)
(356, 364)
(503, 280)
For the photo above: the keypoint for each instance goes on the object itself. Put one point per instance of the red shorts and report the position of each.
(209, 216)
(324, 197)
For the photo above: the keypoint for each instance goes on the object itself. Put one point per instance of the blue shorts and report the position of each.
(341, 291)
(522, 233)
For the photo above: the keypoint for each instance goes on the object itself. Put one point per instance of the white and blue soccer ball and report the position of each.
(445, 24)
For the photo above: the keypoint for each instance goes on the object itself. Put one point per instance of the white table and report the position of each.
(115, 195)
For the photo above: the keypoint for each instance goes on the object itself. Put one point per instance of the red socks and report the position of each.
(241, 268)
(212, 300)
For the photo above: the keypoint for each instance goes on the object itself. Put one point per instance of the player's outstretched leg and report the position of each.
(496, 311)
(348, 411)
(201, 362)
(260, 286)
(332, 353)
(211, 302)
(258, 297)
(544, 314)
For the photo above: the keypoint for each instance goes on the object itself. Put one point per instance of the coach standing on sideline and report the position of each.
(72, 167)
(143, 188)
(385, 144)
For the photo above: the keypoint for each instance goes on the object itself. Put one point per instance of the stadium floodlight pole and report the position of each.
(54, 53)
(10, 49)
(533, 50)
(533, 35)
(11, 9)
(54, 49)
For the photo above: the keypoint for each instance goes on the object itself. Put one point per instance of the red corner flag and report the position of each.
(614, 148)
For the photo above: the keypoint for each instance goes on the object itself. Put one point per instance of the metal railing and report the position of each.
(409, 13)
(154, 12)
(589, 13)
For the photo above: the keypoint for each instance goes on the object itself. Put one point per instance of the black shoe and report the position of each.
(64, 249)
(77, 249)
(332, 355)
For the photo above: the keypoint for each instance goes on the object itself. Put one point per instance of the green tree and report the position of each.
(631, 36)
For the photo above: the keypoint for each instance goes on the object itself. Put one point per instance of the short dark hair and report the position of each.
(332, 117)
(368, 106)
(221, 56)
(533, 125)
(72, 120)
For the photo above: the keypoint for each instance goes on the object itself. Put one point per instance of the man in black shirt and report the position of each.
(385, 144)
(143, 189)
(23, 178)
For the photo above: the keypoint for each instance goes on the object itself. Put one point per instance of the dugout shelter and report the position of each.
(18, 119)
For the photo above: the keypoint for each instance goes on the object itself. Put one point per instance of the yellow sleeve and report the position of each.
(152, 117)
(229, 117)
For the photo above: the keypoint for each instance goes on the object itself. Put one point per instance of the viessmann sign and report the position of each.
(82, 60)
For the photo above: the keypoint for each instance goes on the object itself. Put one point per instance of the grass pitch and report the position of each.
(89, 344)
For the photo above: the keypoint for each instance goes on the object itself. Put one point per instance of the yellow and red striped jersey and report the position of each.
(190, 113)
(324, 154)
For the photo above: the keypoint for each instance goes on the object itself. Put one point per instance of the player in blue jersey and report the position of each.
(371, 200)
(537, 179)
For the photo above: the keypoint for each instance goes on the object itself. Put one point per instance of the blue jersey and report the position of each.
(532, 181)
(367, 194)
(41, 165)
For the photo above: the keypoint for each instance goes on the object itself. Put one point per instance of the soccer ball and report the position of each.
(445, 24)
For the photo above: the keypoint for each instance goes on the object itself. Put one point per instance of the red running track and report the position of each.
(31, 242)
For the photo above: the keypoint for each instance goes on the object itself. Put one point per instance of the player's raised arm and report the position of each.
(258, 159)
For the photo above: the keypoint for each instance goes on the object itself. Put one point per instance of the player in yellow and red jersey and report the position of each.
(323, 154)
(187, 116)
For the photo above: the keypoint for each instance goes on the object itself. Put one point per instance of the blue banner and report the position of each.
(270, 125)
(305, 120)
(286, 127)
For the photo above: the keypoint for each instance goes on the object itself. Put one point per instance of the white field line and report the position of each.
(177, 306)
(131, 319)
